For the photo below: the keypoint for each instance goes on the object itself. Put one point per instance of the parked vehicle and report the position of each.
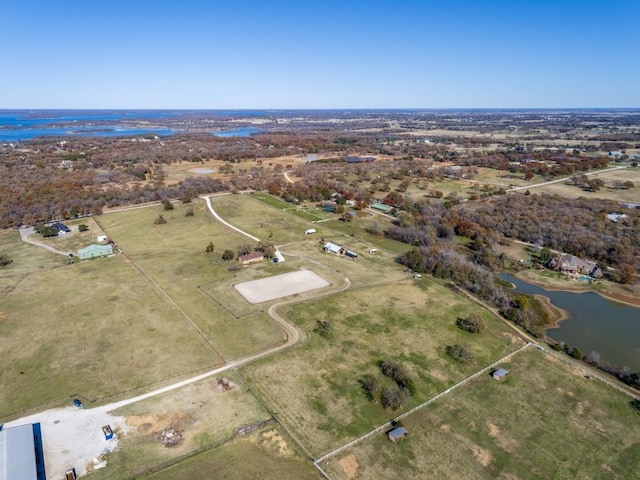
(78, 403)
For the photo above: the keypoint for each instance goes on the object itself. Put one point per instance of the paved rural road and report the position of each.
(24, 236)
(564, 179)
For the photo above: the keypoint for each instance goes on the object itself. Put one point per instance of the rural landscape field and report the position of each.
(341, 312)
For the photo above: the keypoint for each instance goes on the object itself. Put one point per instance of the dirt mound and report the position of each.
(272, 437)
(167, 428)
(349, 466)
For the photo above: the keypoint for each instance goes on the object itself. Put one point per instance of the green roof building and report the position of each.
(94, 251)
(381, 206)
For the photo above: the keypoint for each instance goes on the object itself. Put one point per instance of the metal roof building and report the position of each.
(21, 454)
(93, 251)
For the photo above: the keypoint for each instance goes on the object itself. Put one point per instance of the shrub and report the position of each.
(371, 386)
(392, 398)
(228, 255)
(160, 220)
(168, 205)
(324, 328)
(459, 353)
(473, 323)
(83, 227)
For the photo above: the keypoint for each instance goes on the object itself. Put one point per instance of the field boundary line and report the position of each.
(382, 427)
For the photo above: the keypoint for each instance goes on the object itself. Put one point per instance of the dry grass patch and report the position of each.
(545, 421)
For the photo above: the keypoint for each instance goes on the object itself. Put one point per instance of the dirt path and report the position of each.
(24, 236)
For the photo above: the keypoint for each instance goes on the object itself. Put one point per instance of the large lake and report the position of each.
(594, 323)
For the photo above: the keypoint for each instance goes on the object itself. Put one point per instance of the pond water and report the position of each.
(594, 323)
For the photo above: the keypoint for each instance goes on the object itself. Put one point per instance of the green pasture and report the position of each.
(314, 388)
(545, 421)
(96, 329)
(173, 256)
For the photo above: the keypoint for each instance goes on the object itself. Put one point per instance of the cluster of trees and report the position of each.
(576, 226)
(391, 398)
(473, 323)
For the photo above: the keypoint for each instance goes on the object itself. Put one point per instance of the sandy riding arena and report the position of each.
(278, 286)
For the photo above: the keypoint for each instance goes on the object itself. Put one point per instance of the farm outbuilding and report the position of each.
(309, 231)
(351, 254)
(332, 248)
(500, 374)
(397, 434)
(381, 206)
(95, 251)
(251, 258)
(21, 453)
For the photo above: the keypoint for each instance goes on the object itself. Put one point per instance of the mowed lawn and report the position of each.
(314, 388)
(173, 255)
(545, 421)
(95, 329)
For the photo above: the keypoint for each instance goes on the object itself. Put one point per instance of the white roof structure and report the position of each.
(18, 454)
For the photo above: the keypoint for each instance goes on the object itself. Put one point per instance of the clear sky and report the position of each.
(319, 54)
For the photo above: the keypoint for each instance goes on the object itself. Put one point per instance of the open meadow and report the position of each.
(96, 329)
(264, 454)
(544, 421)
(314, 388)
(173, 256)
(607, 192)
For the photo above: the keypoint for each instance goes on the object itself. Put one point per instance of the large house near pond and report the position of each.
(570, 265)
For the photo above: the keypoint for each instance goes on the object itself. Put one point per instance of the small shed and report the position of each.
(500, 374)
(332, 248)
(95, 251)
(351, 254)
(101, 238)
(397, 434)
(309, 231)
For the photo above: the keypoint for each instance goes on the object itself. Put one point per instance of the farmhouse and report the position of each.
(94, 251)
(61, 228)
(397, 434)
(332, 248)
(251, 258)
(500, 374)
(21, 453)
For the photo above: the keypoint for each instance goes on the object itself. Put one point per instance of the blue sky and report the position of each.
(312, 54)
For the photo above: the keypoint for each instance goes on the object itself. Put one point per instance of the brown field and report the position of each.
(204, 415)
(607, 192)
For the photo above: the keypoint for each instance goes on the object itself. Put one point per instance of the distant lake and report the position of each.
(594, 323)
(26, 125)
(238, 132)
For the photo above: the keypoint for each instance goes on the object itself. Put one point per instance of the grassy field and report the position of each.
(544, 421)
(94, 329)
(269, 454)
(173, 255)
(607, 192)
(205, 414)
(314, 388)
